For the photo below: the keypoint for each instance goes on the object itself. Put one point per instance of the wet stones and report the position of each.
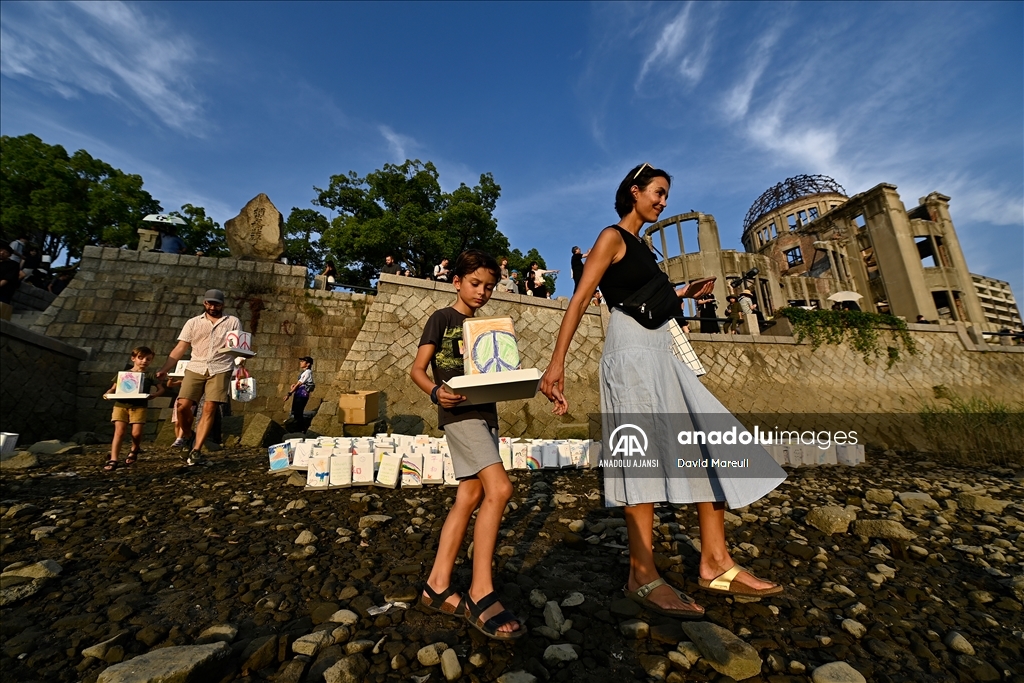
(831, 519)
(183, 663)
(883, 528)
(724, 651)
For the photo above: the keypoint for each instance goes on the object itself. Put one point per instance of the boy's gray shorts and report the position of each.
(473, 445)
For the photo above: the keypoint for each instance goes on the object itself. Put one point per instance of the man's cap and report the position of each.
(214, 295)
(308, 359)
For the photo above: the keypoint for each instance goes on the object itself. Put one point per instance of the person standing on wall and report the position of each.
(540, 285)
(390, 267)
(577, 266)
(641, 377)
(707, 309)
(441, 271)
(208, 373)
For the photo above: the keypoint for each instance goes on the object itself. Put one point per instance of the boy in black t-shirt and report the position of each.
(472, 436)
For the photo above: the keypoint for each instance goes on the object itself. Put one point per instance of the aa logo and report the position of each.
(628, 441)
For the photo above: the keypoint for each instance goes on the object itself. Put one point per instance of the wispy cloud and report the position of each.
(110, 49)
(398, 144)
(683, 47)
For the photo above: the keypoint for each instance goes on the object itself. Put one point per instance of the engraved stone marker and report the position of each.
(257, 233)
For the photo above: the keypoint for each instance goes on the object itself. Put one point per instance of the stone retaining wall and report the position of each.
(120, 299)
(38, 384)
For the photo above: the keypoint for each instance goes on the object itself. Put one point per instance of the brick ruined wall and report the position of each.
(121, 299)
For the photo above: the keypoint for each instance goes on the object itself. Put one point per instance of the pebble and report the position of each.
(635, 629)
(430, 655)
(574, 599)
(854, 628)
(956, 642)
(344, 616)
(169, 663)
(830, 519)
(538, 599)
(559, 654)
(450, 666)
(553, 618)
(723, 651)
(837, 672)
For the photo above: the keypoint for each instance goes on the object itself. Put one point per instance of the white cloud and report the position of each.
(398, 144)
(682, 47)
(109, 49)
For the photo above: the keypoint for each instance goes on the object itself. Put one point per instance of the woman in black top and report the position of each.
(638, 369)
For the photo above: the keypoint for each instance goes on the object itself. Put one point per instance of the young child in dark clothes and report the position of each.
(472, 436)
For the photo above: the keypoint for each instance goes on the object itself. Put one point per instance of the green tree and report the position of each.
(201, 233)
(64, 203)
(401, 210)
(302, 233)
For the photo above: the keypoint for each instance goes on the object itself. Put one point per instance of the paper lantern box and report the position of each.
(238, 343)
(129, 385)
(359, 407)
(179, 369)
(492, 364)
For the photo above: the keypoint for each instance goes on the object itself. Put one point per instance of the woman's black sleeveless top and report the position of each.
(636, 269)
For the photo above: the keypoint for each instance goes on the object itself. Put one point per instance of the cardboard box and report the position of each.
(359, 407)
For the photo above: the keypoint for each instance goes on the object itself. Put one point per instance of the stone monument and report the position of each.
(257, 233)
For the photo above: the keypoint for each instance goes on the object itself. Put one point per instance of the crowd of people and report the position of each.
(23, 263)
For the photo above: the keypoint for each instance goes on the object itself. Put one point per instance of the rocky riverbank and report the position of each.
(895, 571)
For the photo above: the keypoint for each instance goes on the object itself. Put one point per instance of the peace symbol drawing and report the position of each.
(496, 351)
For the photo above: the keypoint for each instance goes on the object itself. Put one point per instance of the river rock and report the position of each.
(979, 503)
(450, 666)
(344, 616)
(22, 460)
(836, 672)
(553, 616)
(879, 496)
(517, 677)
(257, 233)
(47, 569)
(182, 663)
(430, 655)
(883, 528)
(831, 519)
(723, 650)
(558, 654)
(955, 641)
(917, 502)
(351, 669)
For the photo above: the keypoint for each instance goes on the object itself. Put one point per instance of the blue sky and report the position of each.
(214, 103)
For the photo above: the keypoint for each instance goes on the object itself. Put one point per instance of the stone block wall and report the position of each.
(38, 384)
(382, 355)
(121, 299)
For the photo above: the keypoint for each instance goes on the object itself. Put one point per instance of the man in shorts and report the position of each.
(208, 373)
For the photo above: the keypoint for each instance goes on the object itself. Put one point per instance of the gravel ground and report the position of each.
(925, 584)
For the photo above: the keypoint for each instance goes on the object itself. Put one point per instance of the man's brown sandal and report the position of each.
(132, 457)
(726, 583)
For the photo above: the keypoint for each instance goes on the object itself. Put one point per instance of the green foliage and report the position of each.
(975, 430)
(202, 233)
(63, 202)
(861, 328)
(302, 233)
(401, 210)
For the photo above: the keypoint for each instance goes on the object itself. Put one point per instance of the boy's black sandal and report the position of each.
(133, 456)
(436, 602)
(110, 465)
(473, 613)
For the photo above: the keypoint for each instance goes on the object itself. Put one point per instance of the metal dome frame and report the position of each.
(787, 191)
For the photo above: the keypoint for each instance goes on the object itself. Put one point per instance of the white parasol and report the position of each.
(846, 296)
(164, 218)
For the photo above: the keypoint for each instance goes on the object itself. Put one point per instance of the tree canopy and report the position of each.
(201, 233)
(63, 202)
(400, 210)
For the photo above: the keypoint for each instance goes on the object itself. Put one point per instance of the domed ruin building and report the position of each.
(808, 240)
